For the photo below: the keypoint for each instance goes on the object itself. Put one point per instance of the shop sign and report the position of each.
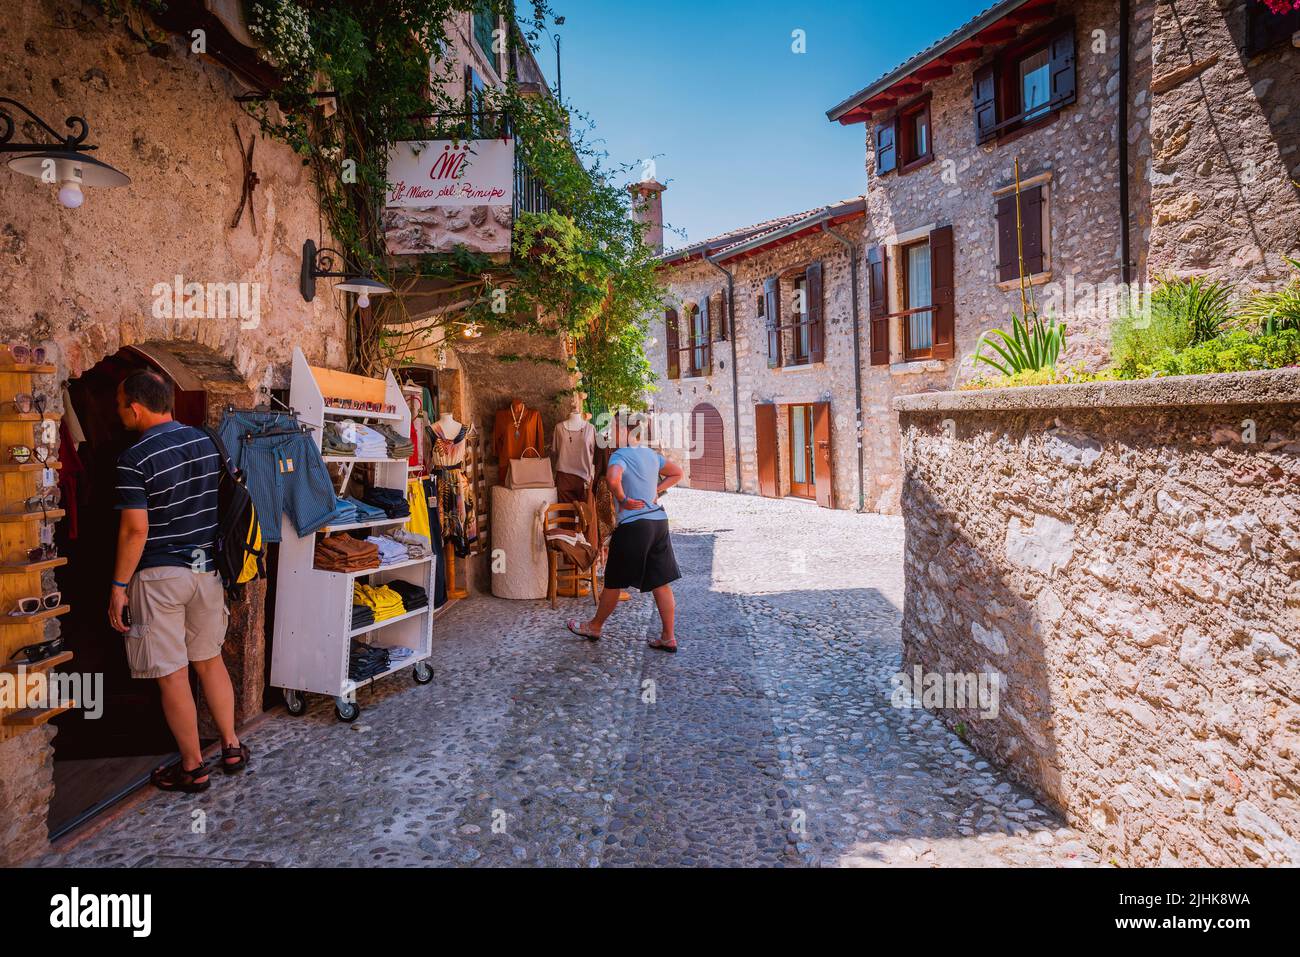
(444, 193)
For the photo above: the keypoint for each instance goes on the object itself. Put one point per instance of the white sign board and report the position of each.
(436, 173)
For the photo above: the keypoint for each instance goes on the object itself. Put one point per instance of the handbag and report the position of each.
(530, 473)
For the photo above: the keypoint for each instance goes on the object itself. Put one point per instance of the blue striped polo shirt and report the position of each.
(173, 471)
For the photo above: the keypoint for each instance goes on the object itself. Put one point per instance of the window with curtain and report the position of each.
(918, 326)
(799, 317)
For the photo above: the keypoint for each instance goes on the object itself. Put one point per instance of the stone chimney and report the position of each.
(648, 208)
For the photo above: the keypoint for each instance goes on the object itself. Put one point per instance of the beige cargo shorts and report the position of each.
(177, 616)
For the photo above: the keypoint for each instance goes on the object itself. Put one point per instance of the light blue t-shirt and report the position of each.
(640, 480)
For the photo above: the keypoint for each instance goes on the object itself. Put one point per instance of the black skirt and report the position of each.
(641, 556)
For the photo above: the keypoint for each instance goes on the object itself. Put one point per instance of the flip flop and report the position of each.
(660, 645)
(573, 627)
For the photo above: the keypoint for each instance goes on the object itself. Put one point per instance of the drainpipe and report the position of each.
(857, 361)
(735, 384)
(1125, 252)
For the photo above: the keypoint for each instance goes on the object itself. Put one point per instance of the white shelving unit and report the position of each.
(313, 608)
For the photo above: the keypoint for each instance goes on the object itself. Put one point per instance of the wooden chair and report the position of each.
(560, 570)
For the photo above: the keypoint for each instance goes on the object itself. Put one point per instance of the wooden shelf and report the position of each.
(62, 658)
(32, 566)
(354, 414)
(29, 466)
(344, 459)
(28, 367)
(7, 620)
(352, 526)
(31, 717)
(29, 416)
(49, 513)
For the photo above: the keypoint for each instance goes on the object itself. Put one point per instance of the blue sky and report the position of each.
(736, 120)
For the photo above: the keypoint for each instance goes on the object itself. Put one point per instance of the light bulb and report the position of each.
(70, 194)
(363, 301)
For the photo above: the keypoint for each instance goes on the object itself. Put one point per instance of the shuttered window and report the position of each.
(886, 152)
(816, 313)
(878, 306)
(1030, 243)
(671, 344)
(772, 317)
(701, 340)
(485, 22)
(1027, 82)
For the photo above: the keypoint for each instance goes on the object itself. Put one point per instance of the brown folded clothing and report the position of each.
(343, 553)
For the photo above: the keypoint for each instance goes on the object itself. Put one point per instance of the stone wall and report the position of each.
(26, 786)
(1126, 556)
(1225, 134)
(82, 282)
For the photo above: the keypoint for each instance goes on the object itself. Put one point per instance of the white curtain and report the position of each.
(919, 325)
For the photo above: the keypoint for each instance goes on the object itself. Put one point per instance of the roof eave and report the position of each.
(830, 216)
(946, 45)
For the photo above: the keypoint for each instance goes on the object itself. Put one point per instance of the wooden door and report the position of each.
(765, 446)
(823, 476)
(709, 461)
(803, 477)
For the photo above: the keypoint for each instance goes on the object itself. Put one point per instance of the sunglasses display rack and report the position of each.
(313, 607)
(26, 515)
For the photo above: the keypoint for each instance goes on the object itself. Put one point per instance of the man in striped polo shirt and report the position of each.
(164, 579)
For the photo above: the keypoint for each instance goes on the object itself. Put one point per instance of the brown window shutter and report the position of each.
(772, 310)
(703, 342)
(1060, 53)
(822, 461)
(942, 293)
(886, 146)
(879, 306)
(765, 446)
(672, 345)
(1008, 259)
(816, 316)
(724, 315)
(986, 103)
(1031, 216)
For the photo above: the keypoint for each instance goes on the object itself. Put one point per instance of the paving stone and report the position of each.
(768, 740)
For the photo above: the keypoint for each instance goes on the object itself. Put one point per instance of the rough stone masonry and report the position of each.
(1126, 556)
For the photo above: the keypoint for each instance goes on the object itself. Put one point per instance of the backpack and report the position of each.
(239, 552)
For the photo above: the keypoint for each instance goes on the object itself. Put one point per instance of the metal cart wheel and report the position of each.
(347, 711)
(422, 673)
(294, 701)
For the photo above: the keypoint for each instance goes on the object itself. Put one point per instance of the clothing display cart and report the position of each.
(313, 607)
(24, 526)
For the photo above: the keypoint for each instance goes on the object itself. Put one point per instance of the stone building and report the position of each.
(1149, 139)
(97, 288)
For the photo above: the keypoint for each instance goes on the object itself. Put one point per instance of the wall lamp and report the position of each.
(62, 161)
(319, 264)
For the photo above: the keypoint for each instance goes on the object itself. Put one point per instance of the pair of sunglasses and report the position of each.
(24, 402)
(22, 354)
(30, 606)
(23, 454)
(42, 553)
(35, 654)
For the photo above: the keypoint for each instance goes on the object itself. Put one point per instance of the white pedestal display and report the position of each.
(518, 551)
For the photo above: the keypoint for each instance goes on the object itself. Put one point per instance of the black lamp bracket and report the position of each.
(318, 264)
(73, 141)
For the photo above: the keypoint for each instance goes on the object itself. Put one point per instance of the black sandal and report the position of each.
(176, 778)
(239, 751)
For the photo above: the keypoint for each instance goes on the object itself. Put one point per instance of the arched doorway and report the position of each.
(99, 760)
(708, 449)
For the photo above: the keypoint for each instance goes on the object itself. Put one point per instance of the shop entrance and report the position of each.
(97, 762)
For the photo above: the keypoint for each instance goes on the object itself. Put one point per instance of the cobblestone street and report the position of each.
(768, 740)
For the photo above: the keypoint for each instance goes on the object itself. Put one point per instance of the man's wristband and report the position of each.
(119, 584)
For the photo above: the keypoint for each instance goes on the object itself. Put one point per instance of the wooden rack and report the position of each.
(20, 531)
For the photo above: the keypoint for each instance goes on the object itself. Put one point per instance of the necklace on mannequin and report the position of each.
(517, 419)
